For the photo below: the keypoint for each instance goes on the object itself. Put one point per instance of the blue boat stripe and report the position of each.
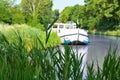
(74, 34)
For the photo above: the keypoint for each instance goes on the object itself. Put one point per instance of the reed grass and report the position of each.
(28, 35)
(49, 63)
(40, 64)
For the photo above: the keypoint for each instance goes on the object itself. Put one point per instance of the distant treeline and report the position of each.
(32, 12)
(94, 15)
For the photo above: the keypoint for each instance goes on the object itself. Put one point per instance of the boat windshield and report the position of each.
(54, 26)
(64, 26)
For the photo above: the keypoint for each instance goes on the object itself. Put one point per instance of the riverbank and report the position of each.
(28, 35)
(17, 63)
(53, 64)
(108, 33)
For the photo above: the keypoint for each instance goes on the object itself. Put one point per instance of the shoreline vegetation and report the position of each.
(28, 35)
(48, 63)
(107, 33)
(28, 53)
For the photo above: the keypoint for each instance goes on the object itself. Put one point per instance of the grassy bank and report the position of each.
(52, 64)
(109, 33)
(28, 35)
(48, 63)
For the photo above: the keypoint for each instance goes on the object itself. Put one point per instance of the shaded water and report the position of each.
(97, 48)
(80, 51)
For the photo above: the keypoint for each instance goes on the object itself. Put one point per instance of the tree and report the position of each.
(65, 14)
(5, 15)
(103, 13)
(17, 15)
(36, 11)
(55, 13)
(75, 13)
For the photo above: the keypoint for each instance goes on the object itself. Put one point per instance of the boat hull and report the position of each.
(76, 36)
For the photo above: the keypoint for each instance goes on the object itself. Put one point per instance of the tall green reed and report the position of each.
(111, 66)
(110, 69)
(50, 63)
(45, 63)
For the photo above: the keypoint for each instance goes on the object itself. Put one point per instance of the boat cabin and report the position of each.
(69, 33)
(58, 26)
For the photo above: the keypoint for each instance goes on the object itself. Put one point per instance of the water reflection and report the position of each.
(96, 50)
(80, 50)
(83, 51)
(99, 46)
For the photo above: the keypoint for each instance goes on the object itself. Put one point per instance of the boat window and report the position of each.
(71, 27)
(67, 26)
(55, 26)
(60, 26)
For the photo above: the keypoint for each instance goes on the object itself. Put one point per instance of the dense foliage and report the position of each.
(32, 12)
(95, 14)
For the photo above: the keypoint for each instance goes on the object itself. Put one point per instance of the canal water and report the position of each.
(99, 46)
(97, 49)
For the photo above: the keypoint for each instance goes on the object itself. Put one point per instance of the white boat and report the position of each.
(70, 34)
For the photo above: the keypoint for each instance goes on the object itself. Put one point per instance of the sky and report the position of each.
(61, 4)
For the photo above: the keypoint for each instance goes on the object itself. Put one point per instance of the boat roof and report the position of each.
(67, 23)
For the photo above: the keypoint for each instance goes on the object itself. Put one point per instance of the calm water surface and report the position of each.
(97, 48)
